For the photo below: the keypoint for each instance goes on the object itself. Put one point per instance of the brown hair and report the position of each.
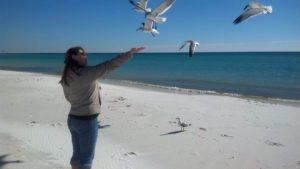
(70, 63)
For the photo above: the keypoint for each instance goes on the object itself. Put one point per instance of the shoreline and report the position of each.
(178, 90)
(184, 91)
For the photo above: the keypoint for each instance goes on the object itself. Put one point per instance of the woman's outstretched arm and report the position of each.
(95, 72)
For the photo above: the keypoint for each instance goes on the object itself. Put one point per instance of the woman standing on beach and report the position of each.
(81, 89)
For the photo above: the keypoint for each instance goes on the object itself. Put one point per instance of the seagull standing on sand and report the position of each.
(152, 17)
(182, 124)
(253, 9)
(193, 45)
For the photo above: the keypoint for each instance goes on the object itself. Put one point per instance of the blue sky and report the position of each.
(109, 26)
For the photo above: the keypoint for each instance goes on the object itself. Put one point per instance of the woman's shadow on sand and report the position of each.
(3, 162)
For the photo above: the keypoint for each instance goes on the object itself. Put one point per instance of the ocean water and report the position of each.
(267, 74)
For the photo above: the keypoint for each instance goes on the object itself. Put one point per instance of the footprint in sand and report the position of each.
(112, 101)
(130, 154)
(232, 157)
(225, 135)
(173, 123)
(121, 98)
(202, 128)
(118, 99)
(112, 108)
(32, 123)
(118, 157)
(194, 153)
(141, 115)
(56, 124)
(271, 143)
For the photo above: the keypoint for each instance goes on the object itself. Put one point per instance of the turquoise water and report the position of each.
(268, 74)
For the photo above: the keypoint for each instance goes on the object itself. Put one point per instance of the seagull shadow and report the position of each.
(3, 162)
(173, 132)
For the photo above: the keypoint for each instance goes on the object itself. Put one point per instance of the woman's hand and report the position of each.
(136, 50)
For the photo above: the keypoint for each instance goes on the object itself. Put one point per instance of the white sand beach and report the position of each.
(139, 128)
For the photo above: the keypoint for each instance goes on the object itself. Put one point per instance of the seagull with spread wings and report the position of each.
(155, 15)
(140, 6)
(192, 47)
(150, 27)
(152, 17)
(253, 9)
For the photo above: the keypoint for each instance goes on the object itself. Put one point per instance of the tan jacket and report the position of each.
(83, 90)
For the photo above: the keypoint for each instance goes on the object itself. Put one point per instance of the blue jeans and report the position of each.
(84, 138)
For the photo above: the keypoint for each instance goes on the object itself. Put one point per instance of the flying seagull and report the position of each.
(253, 9)
(150, 27)
(152, 17)
(155, 15)
(193, 45)
(140, 6)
